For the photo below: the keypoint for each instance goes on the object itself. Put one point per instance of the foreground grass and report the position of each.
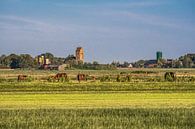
(98, 118)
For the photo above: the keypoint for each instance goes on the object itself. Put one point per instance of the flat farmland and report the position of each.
(100, 100)
(144, 102)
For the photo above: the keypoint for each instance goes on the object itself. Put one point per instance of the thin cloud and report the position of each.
(148, 19)
(111, 4)
(23, 24)
(140, 4)
(9, 22)
(108, 10)
(22, 19)
(158, 21)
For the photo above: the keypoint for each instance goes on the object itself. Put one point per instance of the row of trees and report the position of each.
(71, 60)
(182, 62)
(18, 61)
(26, 61)
(187, 62)
(95, 66)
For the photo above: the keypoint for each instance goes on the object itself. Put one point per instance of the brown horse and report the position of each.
(22, 77)
(82, 77)
(58, 76)
(93, 78)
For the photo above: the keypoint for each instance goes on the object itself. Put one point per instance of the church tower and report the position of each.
(80, 54)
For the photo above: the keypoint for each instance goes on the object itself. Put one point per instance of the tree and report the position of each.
(58, 61)
(14, 61)
(181, 58)
(26, 61)
(116, 63)
(49, 56)
(4, 61)
(161, 62)
(95, 63)
(125, 64)
(71, 60)
(187, 62)
(139, 63)
(177, 64)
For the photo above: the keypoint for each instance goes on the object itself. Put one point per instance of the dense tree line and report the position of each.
(94, 66)
(74, 64)
(27, 61)
(18, 61)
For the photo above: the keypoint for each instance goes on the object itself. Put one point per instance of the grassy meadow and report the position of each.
(146, 101)
(125, 118)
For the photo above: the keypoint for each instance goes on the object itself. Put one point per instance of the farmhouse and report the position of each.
(63, 67)
(4, 67)
(42, 60)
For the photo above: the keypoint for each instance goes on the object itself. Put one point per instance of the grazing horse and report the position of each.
(82, 77)
(93, 78)
(128, 78)
(60, 75)
(170, 76)
(22, 77)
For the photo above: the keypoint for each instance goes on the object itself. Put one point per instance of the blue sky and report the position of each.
(120, 30)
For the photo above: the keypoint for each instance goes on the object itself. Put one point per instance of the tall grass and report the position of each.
(98, 119)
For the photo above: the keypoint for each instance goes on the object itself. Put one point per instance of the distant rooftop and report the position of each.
(191, 54)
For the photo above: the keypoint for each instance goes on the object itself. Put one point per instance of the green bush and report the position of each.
(105, 79)
(64, 79)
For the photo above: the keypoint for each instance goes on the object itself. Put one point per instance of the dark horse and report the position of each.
(170, 76)
(22, 77)
(82, 77)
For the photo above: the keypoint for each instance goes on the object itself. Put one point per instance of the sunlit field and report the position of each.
(146, 101)
(125, 118)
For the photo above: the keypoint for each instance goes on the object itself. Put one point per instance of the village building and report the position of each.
(42, 60)
(63, 67)
(150, 64)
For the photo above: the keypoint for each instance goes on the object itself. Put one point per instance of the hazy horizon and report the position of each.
(119, 30)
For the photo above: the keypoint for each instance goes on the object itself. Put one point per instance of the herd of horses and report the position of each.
(58, 76)
(84, 77)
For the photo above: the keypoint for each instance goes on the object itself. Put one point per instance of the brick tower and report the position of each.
(80, 54)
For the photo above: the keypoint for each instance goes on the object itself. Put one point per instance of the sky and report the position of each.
(108, 30)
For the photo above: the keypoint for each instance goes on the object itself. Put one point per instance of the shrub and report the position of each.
(105, 79)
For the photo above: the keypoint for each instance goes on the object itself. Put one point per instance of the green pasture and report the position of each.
(97, 87)
(101, 100)
(90, 94)
(44, 73)
(147, 101)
